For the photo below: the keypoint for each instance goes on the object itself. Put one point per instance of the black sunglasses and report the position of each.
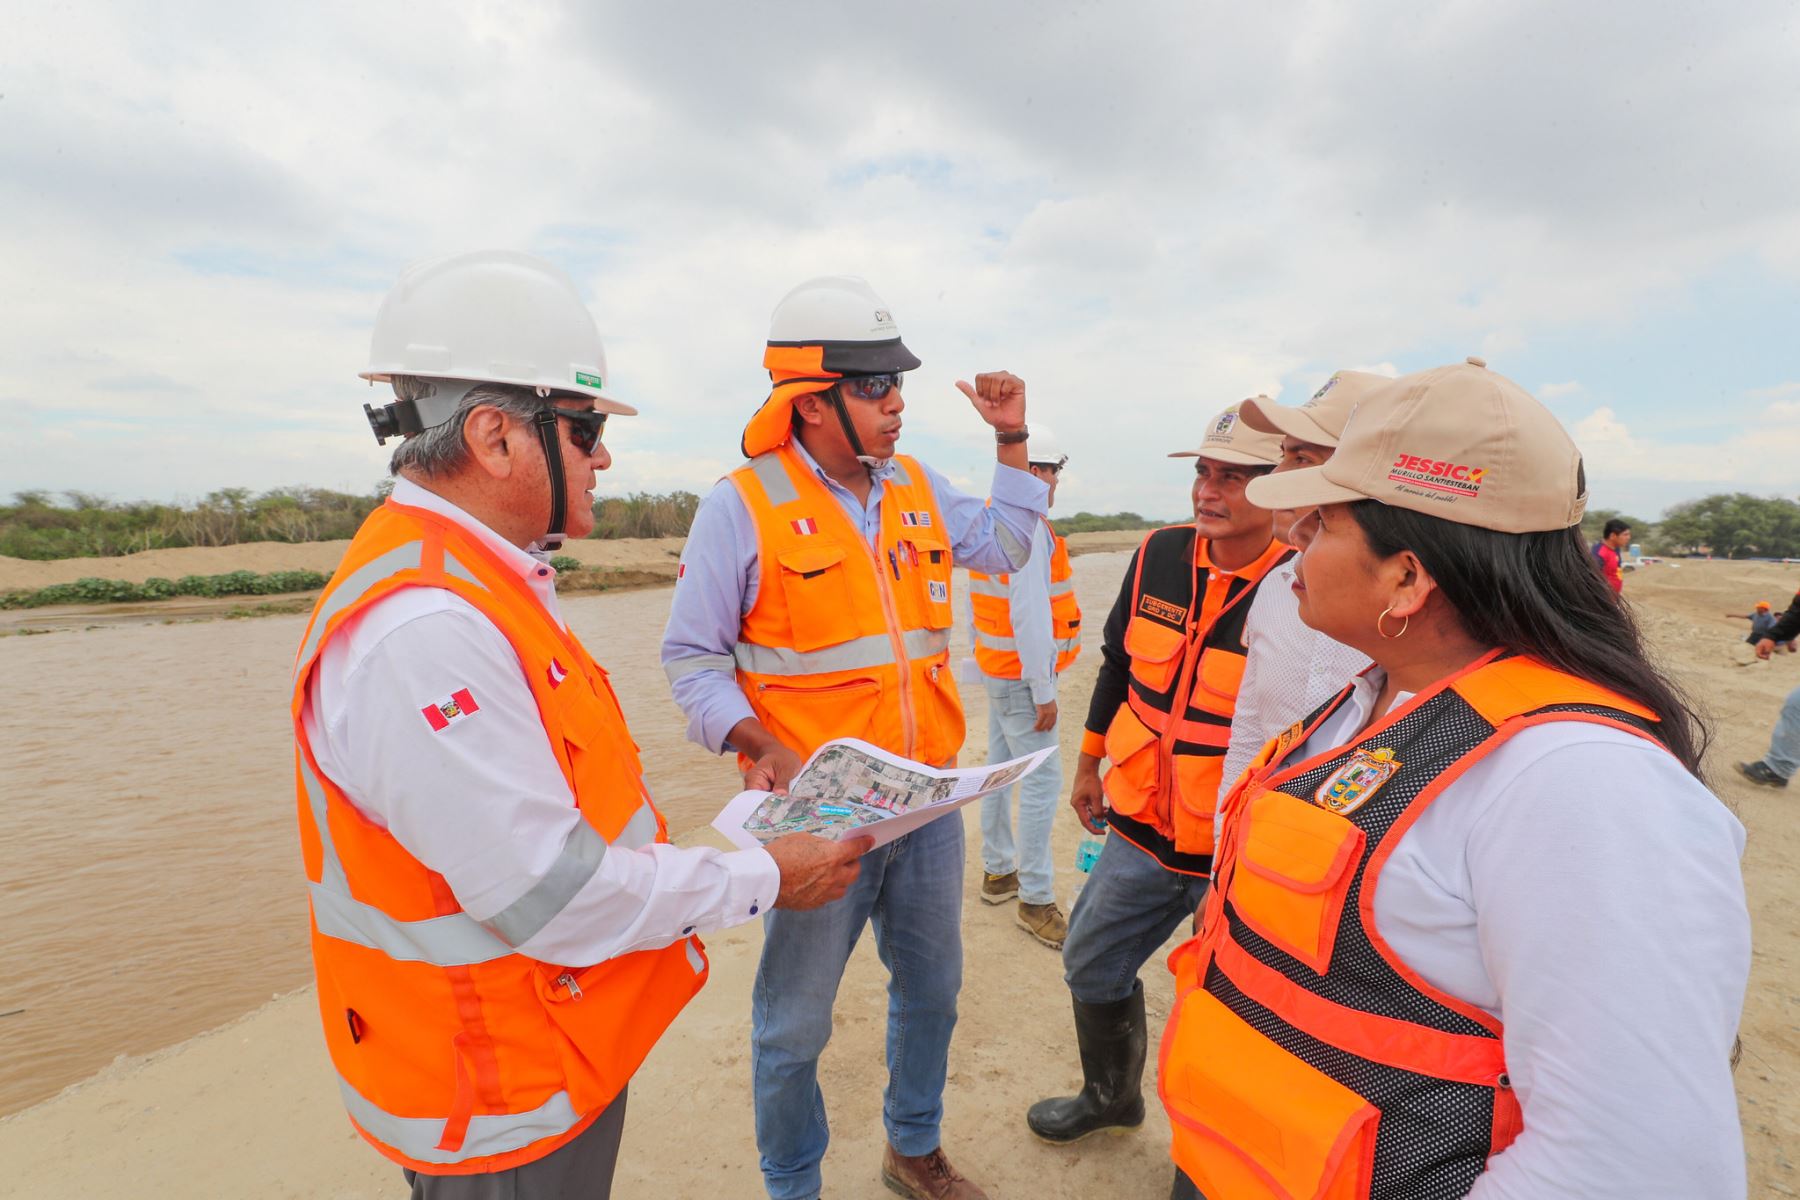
(585, 427)
(874, 387)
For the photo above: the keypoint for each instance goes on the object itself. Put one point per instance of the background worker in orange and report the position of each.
(500, 928)
(814, 603)
(1437, 960)
(1027, 631)
(1161, 711)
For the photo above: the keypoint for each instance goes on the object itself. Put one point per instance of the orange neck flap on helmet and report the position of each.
(795, 371)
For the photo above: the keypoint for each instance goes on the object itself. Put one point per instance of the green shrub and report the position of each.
(566, 562)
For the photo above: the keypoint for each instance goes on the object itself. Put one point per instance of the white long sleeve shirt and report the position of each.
(484, 802)
(1034, 632)
(1582, 887)
(1291, 669)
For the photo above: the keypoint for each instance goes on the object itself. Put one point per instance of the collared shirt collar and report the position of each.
(879, 474)
(1256, 568)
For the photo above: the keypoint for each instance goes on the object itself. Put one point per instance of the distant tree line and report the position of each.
(1725, 525)
(1087, 522)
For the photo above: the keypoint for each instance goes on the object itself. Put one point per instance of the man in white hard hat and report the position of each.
(500, 927)
(1161, 713)
(1291, 668)
(1027, 632)
(814, 603)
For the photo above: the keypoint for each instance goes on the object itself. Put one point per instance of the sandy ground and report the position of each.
(249, 1108)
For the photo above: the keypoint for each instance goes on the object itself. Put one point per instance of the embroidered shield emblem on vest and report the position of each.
(1355, 783)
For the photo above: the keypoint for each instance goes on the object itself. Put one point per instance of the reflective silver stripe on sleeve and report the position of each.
(350, 590)
(1017, 553)
(680, 668)
(693, 955)
(989, 586)
(488, 1133)
(774, 479)
(639, 832)
(455, 940)
(875, 650)
(331, 871)
(581, 855)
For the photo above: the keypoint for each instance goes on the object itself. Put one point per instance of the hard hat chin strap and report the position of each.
(550, 437)
(856, 447)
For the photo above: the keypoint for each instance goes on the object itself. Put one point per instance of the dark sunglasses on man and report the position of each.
(585, 427)
(874, 387)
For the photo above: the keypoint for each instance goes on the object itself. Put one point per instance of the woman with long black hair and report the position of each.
(1477, 925)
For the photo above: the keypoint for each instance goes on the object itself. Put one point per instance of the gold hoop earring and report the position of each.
(1382, 630)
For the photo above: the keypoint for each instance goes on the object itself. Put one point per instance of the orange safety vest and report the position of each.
(455, 1054)
(1185, 638)
(996, 651)
(1303, 1057)
(847, 639)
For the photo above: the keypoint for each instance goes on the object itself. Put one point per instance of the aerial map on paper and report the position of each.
(850, 788)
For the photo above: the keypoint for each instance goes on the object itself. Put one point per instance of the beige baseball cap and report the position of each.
(1458, 442)
(1320, 421)
(1230, 440)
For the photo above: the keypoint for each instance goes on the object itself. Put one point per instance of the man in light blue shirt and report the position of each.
(1019, 654)
(811, 502)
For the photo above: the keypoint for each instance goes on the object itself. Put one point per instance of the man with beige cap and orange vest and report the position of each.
(1027, 631)
(500, 927)
(1291, 669)
(814, 603)
(1161, 712)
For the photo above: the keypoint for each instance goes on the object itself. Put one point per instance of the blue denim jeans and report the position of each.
(911, 891)
(1011, 715)
(1784, 744)
(1128, 907)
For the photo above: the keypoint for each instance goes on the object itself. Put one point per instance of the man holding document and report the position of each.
(814, 603)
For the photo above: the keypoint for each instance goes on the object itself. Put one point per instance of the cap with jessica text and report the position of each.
(1319, 421)
(1458, 442)
(1229, 439)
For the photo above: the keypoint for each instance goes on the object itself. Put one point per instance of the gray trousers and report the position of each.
(578, 1170)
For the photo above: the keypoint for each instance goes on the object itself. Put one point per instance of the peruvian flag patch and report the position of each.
(444, 713)
(915, 518)
(805, 526)
(557, 673)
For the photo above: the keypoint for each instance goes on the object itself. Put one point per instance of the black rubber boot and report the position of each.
(1112, 1041)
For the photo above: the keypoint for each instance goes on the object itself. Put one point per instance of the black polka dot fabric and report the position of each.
(1434, 1136)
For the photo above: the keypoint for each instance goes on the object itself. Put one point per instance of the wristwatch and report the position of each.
(1011, 437)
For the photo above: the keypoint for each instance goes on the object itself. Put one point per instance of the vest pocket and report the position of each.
(817, 590)
(1217, 682)
(1254, 1122)
(925, 559)
(942, 726)
(1295, 866)
(1131, 748)
(1155, 652)
(803, 718)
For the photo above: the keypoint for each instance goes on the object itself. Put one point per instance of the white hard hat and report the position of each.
(1042, 450)
(842, 314)
(491, 316)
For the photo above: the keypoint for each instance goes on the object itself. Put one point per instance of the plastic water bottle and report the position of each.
(1087, 853)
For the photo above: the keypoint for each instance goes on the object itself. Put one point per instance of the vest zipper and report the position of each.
(567, 980)
(892, 616)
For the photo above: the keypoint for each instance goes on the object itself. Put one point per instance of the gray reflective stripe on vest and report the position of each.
(454, 940)
(901, 477)
(680, 668)
(1063, 588)
(986, 585)
(774, 479)
(875, 650)
(1006, 645)
(331, 870)
(639, 832)
(351, 588)
(454, 568)
(581, 856)
(488, 1134)
(693, 956)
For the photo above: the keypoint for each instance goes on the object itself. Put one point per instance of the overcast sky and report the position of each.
(1149, 211)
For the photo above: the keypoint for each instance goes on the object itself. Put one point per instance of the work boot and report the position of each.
(1044, 922)
(1112, 1042)
(998, 889)
(926, 1177)
(1761, 773)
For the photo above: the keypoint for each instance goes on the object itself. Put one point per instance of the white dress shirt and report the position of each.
(1291, 669)
(1582, 887)
(484, 802)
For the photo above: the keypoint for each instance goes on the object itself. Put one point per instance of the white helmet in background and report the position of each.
(490, 316)
(1043, 450)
